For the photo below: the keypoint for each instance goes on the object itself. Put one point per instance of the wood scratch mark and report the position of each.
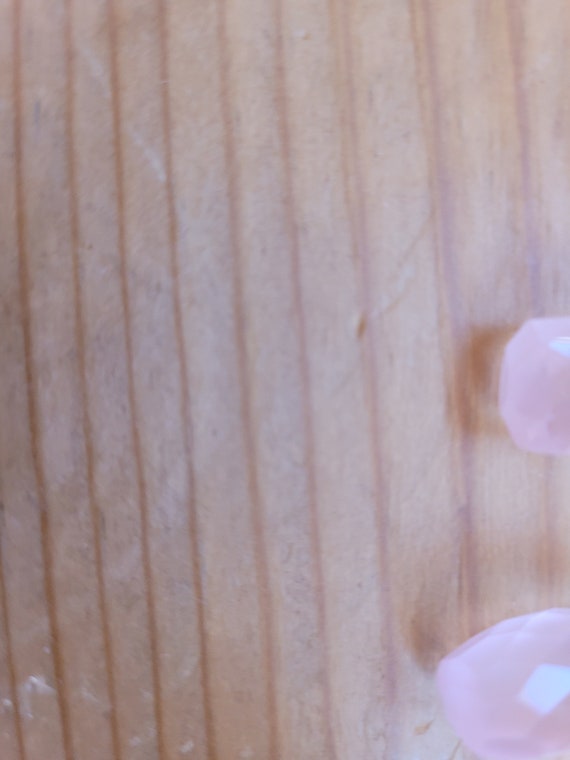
(152, 157)
(406, 273)
(34, 685)
(455, 751)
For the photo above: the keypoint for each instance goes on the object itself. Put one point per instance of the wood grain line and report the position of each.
(7, 634)
(131, 392)
(261, 563)
(448, 281)
(31, 390)
(516, 48)
(87, 427)
(306, 382)
(188, 425)
(358, 221)
(547, 554)
(547, 548)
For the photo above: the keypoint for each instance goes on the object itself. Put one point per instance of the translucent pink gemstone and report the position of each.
(506, 692)
(535, 386)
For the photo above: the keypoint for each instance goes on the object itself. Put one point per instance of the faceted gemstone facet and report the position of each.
(506, 692)
(535, 386)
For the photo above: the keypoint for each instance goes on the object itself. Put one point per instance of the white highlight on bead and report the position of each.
(561, 346)
(548, 686)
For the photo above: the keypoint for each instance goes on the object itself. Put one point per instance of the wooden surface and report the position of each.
(258, 259)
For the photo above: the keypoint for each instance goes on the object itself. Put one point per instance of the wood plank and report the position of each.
(258, 261)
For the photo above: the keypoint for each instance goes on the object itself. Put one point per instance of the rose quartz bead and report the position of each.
(535, 386)
(506, 692)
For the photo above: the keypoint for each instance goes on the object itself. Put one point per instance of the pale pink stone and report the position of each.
(506, 692)
(535, 386)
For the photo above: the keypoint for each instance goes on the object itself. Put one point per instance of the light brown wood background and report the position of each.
(258, 259)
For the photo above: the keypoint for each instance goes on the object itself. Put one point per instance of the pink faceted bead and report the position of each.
(535, 386)
(506, 692)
